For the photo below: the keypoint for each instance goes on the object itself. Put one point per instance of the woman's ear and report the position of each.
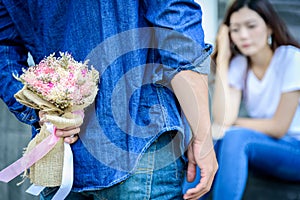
(270, 37)
(270, 31)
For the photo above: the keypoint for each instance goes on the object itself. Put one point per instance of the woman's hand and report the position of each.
(223, 44)
(70, 134)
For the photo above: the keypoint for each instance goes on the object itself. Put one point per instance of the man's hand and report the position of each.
(70, 134)
(191, 90)
(208, 166)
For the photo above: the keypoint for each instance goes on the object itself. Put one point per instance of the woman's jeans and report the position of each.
(151, 180)
(241, 148)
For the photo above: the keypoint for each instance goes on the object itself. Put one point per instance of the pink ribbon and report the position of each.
(38, 152)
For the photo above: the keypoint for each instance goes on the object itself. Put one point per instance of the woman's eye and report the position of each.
(234, 30)
(251, 26)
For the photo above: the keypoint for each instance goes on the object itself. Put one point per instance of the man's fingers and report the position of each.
(70, 135)
(197, 192)
(207, 177)
(72, 139)
(70, 128)
(191, 172)
(202, 188)
(67, 132)
(42, 119)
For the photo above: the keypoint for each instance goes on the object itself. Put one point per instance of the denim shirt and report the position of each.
(137, 47)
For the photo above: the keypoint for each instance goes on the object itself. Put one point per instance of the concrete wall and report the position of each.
(14, 136)
(289, 11)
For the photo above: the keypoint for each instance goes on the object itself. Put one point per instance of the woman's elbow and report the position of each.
(279, 131)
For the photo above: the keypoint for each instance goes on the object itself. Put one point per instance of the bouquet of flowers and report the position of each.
(59, 86)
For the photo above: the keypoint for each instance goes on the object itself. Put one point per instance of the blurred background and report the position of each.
(14, 136)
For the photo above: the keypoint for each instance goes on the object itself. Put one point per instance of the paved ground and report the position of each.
(269, 188)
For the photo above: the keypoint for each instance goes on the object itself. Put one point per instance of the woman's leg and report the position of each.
(279, 158)
(241, 147)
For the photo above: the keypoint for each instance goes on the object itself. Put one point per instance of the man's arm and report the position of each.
(184, 54)
(191, 89)
(13, 57)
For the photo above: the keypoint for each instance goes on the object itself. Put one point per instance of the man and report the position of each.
(132, 141)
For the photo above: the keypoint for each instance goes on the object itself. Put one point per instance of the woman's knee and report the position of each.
(236, 139)
(237, 134)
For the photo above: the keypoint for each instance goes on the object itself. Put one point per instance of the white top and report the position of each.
(262, 96)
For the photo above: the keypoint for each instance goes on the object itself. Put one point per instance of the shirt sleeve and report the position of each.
(13, 57)
(237, 72)
(179, 36)
(291, 67)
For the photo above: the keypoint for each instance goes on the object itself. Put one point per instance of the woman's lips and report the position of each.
(245, 46)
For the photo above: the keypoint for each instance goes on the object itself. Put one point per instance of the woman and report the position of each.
(257, 64)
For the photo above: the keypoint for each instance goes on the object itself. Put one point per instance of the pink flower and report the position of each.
(62, 81)
(50, 85)
(84, 72)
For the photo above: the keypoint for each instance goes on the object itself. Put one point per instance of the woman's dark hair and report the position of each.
(280, 33)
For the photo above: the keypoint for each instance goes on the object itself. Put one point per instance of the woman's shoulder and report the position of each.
(287, 55)
(287, 50)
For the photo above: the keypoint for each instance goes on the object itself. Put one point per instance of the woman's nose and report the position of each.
(244, 33)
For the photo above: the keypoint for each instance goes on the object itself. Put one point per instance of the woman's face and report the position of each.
(248, 31)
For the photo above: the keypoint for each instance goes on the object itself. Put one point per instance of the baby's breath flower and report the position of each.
(62, 80)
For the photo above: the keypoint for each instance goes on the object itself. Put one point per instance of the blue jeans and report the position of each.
(241, 148)
(149, 181)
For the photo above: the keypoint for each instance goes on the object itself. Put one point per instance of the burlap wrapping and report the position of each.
(48, 170)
